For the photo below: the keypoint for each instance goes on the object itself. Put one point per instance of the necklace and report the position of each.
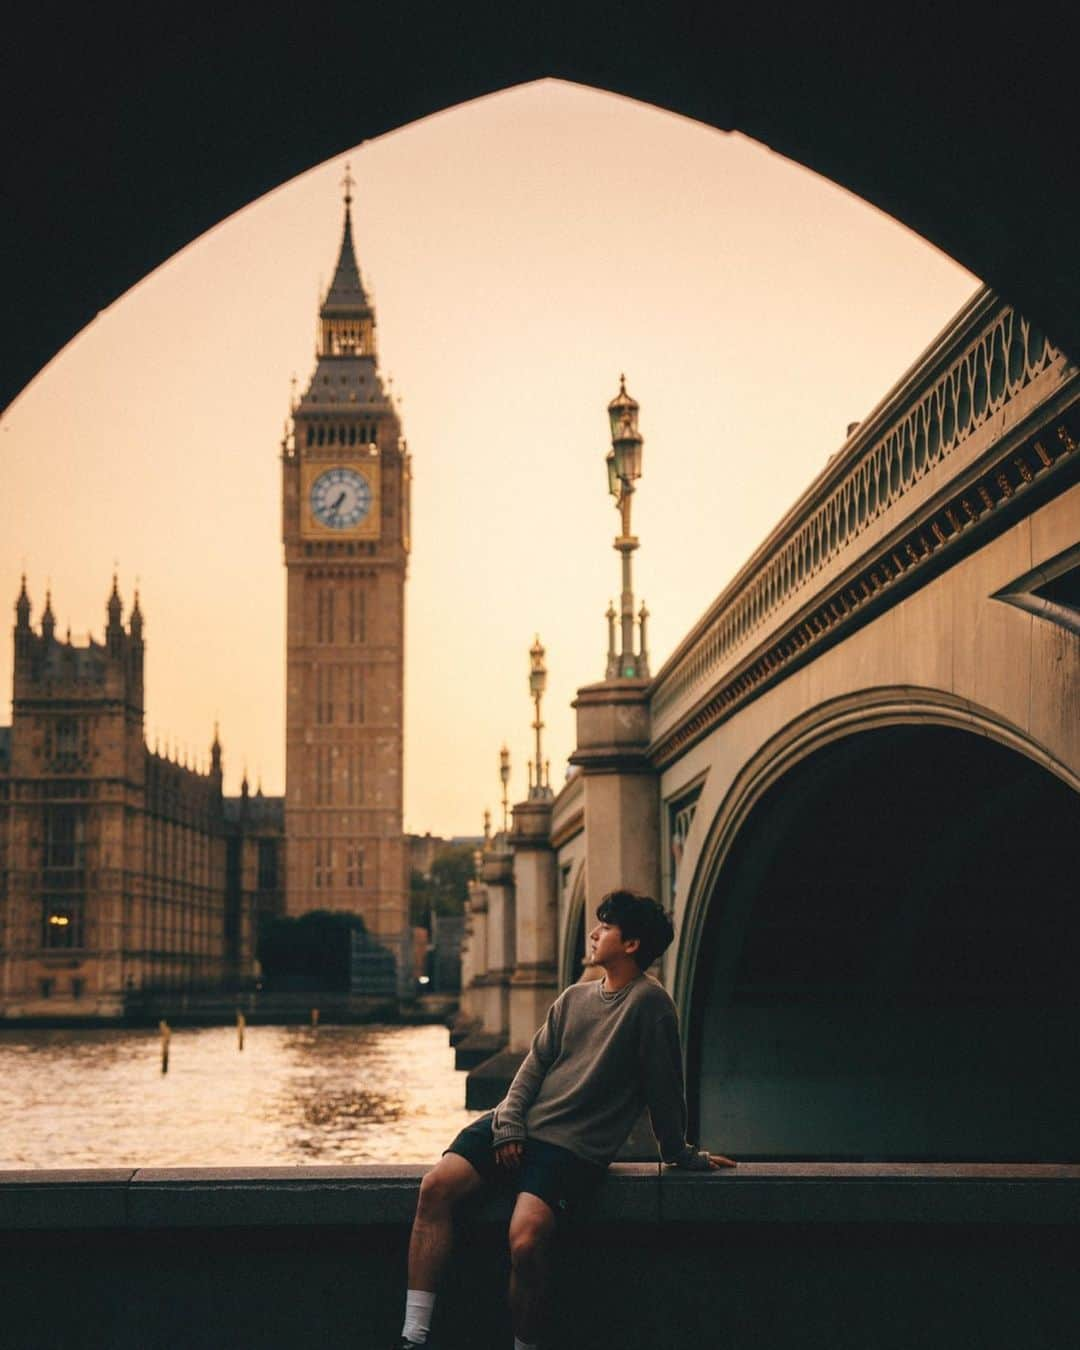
(612, 995)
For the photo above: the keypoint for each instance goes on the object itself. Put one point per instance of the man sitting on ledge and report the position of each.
(607, 1049)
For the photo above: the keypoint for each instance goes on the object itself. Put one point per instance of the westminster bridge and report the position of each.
(856, 783)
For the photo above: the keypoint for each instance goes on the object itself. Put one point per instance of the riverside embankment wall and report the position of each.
(782, 1256)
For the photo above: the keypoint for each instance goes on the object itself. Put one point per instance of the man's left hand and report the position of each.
(697, 1160)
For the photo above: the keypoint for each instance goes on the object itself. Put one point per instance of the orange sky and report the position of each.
(523, 250)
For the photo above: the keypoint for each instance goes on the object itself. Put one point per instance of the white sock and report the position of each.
(524, 1345)
(419, 1305)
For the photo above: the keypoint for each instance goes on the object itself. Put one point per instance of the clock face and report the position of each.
(340, 498)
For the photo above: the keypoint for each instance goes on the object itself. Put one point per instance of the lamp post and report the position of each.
(504, 778)
(538, 784)
(623, 470)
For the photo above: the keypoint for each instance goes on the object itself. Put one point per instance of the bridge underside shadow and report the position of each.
(888, 966)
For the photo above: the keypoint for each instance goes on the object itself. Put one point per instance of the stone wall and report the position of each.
(777, 1255)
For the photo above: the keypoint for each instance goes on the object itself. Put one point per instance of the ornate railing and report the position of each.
(982, 362)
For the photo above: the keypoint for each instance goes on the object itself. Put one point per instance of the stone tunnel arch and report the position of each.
(868, 982)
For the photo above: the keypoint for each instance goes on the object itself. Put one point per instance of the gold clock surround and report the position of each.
(312, 468)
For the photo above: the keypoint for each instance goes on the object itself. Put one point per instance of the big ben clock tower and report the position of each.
(345, 525)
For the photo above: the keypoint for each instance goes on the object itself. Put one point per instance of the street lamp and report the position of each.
(623, 463)
(504, 778)
(539, 785)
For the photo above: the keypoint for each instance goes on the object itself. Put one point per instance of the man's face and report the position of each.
(606, 945)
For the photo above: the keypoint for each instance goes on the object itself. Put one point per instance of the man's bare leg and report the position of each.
(443, 1188)
(532, 1227)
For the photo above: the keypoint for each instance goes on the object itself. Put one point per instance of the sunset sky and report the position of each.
(523, 250)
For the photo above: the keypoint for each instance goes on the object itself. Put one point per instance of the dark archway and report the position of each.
(888, 967)
(129, 132)
(573, 957)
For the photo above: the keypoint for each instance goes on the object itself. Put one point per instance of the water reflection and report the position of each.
(97, 1098)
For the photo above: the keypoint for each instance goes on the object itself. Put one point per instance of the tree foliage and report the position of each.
(310, 952)
(446, 889)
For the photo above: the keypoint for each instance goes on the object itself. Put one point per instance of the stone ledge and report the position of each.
(634, 1194)
(64, 1199)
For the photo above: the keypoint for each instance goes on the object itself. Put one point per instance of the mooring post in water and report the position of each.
(166, 1032)
(240, 1024)
(314, 1017)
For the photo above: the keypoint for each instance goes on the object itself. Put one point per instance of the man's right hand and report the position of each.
(508, 1156)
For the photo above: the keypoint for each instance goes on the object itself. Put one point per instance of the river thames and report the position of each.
(348, 1094)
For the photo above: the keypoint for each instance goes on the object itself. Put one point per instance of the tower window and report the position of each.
(324, 864)
(357, 615)
(324, 695)
(268, 870)
(62, 925)
(324, 615)
(64, 837)
(355, 770)
(356, 694)
(324, 775)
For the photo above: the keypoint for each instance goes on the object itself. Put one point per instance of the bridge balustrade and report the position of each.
(989, 373)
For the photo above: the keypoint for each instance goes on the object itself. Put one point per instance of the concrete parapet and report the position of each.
(783, 1255)
(461, 1027)
(771, 1193)
(475, 1048)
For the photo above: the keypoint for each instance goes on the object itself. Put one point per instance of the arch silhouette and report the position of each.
(131, 135)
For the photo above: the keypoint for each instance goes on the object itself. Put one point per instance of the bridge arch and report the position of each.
(858, 974)
(573, 928)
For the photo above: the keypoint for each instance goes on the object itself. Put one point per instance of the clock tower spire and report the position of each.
(345, 527)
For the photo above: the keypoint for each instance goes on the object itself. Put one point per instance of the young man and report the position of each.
(607, 1049)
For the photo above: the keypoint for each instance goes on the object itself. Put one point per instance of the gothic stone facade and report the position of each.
(115, 861)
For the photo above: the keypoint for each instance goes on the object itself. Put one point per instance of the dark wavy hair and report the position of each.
(638, 916)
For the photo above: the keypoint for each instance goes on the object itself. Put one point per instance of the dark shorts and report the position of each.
(555, 1175)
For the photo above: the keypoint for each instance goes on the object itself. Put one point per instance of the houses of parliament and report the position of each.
(124, 872)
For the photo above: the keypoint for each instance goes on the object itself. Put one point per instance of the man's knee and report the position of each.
(529, 1244)
(443, 1187)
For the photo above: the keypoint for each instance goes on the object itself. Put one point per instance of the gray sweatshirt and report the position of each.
(595, 1063)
